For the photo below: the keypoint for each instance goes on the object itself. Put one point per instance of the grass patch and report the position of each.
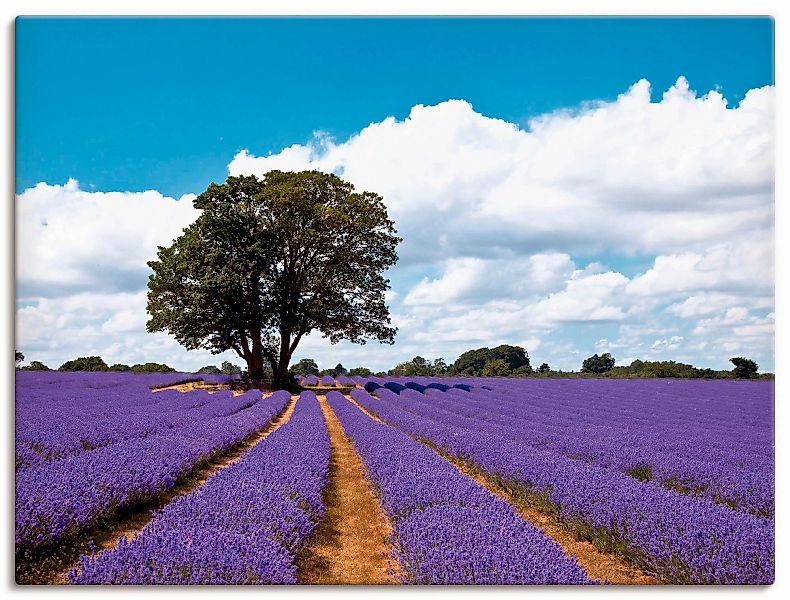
(641, 472)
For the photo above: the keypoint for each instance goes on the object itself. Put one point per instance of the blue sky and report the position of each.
(129, 105)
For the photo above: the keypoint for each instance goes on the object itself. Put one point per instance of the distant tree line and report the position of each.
(226, 368)
(308, 366)
(513, 361)
(501, 361)
(95, 363)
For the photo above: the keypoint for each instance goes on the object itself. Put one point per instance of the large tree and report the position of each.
(472, 362)
(745, 368)
(270, 260)
(598, 364)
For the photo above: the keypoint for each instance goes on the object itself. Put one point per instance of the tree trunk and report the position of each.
(255, 365)
(255, 359)
(281, 379)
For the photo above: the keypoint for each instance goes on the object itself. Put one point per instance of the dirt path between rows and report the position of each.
(598, 564)
(189, 386)
(130, 523)
(350, 544)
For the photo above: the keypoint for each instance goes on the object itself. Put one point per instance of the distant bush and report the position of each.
(306, 366)
(522, 371)
(339, 370)
(598, 364)
(35, 366)
(120, 367)
(665, 369)
(419, 366)
(472, 362)
(361, 371)
(496, 368)
(85, 363)
(210, 370)
(152, 367)
(744, 368)
(228, 368)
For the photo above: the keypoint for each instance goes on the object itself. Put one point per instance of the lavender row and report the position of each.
(93, 410)
(650, 428)
(66, 496)
(679, 539)
(446, 528)
(608, 446)
(244, 525)
(79, 433)
(325, 380)
(731, 414)
(734, 416)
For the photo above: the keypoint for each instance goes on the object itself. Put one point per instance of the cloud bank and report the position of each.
(511, 235)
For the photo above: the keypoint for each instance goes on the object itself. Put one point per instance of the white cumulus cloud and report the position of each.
(511, 234)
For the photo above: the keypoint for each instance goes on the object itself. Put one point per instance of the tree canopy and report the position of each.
(419, 366)
(306, 366)
(271, 260)
(745, 368)
(152, 367)
(35, 365)
(598, 364)
(472, 362)
(362, 371)
(496, 368)
(85, 363)
(228, 368)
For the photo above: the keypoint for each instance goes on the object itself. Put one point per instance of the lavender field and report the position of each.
(674, 479)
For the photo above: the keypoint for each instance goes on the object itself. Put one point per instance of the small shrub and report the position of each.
(152, 367)
(642, 472)
(85, 363)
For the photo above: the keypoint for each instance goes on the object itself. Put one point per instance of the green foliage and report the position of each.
(744, 368)
(522, 371)
(271, 260)
(419, 366)
(339, 369)
(35, 366)
(598, 364)
(544, 368)
(84, 363)
(306, 366)
(228, 368)
(642, 472)
(664, 368)
(496, 368)
(120, 367)
(472, 362)
(152, 367)
(361, 371)
(209, 370)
